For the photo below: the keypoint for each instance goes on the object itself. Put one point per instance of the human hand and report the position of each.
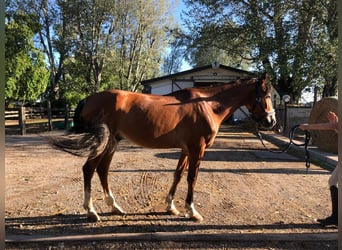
(303, 126)
(332, 117)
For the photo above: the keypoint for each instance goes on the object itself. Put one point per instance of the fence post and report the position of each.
(49, 116)
(66, 116)
(22, 120)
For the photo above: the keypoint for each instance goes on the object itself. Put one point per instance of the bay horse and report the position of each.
(188, 119)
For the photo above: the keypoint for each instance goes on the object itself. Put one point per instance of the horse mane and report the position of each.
(192, 92)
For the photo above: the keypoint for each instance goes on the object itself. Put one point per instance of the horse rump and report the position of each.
(91, 142)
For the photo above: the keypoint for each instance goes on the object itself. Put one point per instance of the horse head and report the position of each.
(261, 106)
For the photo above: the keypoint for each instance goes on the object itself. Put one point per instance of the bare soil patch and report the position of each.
(249, 198)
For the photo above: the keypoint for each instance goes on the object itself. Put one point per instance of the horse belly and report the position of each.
(149, 140)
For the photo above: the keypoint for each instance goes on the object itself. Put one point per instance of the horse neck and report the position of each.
(229, 98)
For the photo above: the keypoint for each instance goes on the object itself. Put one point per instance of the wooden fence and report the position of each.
(46, 118)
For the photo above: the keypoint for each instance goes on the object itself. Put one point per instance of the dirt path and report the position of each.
(248, 197)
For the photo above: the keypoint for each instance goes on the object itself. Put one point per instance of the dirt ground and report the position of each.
(249, 198)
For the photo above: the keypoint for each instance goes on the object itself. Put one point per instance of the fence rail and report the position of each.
(11, 114)
(48, 118)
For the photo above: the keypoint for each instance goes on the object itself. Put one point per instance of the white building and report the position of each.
(201, 76)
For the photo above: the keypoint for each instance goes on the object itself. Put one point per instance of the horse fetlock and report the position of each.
(169, 199)
(116, 209)
(192, 213)
(171, 208)
(88, 206)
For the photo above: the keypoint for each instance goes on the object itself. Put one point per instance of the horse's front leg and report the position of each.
(194, 162)
(182, 164)
(88, 172)
(102, 171)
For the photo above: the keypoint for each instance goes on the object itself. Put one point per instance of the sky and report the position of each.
(179, 5)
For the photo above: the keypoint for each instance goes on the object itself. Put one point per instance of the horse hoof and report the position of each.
(196, 217)
(93, 217)
(173, 211)
(117, 211)
(192, 213)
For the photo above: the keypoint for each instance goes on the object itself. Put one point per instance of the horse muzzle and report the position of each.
(269, 121)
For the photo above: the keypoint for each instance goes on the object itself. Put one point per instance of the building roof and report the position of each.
(186, 72)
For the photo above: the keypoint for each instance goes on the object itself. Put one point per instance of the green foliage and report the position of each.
(95, 45)
(26, 74)
(294, 42)
(140, 41)
(118, 43)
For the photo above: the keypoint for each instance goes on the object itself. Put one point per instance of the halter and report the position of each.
(258, 101)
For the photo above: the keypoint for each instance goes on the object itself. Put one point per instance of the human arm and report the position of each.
(319, 126)
(331, 125)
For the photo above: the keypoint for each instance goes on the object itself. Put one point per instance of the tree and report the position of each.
(172, 61)
(323, 59)
(26, 73)
(280, 37)
(119, 40)
(91, 25)
(93, 45)
(49, 38)
(141, 41)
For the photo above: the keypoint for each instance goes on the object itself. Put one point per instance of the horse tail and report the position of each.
(78, 124)
(84, 139)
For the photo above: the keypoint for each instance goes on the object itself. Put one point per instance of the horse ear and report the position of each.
(263, 76)
(264, 84)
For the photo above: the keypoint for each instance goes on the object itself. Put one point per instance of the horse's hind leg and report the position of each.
(181, 167)
(88, 172)
(102, 171)
(194, 161)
